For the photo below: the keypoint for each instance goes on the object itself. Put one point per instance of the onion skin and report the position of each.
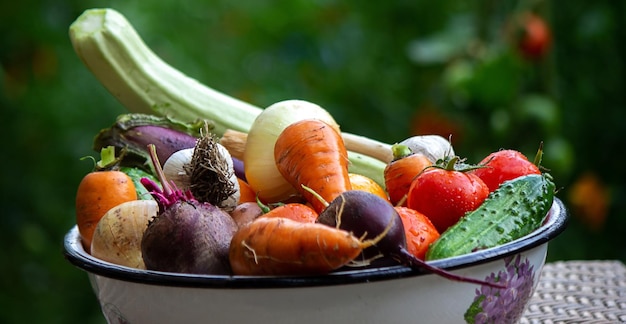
(245, 213)
(118, 235)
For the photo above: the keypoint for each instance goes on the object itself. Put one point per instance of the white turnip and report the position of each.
(117, 237)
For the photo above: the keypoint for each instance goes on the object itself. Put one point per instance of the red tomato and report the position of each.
(419, 230)
(445, 196)
(504, 165)
(534, 38)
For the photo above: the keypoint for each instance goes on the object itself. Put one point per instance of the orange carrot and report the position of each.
(294, 211)
(311, 153)
(418, 229)
(281, 246)
(400, 172)
(99, 191)
(361, 182)
(246, 193)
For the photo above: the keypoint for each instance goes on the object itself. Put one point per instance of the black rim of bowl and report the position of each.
(555, 223)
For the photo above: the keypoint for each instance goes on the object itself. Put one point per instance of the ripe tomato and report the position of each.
(419, 231)
(446, 195)
(534, 36)
(504, 165)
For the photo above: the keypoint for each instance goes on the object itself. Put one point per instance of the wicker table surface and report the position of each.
(579, 292)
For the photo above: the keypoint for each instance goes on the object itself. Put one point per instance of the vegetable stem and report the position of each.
(167, 188)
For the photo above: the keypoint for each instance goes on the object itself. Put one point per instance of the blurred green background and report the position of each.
(386, 70)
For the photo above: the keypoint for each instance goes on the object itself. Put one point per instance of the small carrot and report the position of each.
(361, 182)
(311, 153)
(100, 190)
(294, 211)
(246, 193)
(418, 229)
(400, 172)
(281, 246)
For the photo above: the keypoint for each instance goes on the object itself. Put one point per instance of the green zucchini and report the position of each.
(114, 52)
(515, 209)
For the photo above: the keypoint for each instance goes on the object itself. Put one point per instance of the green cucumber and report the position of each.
(515, 209)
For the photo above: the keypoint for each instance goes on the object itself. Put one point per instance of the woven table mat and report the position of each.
(579, 292)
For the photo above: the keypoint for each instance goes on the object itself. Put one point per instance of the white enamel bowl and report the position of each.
(393, 294)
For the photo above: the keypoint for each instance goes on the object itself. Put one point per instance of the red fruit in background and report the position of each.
(504, 165)
(533, 36)
(428, 119)
(445, 195)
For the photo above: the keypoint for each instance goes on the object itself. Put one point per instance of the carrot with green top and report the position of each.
(100, 190)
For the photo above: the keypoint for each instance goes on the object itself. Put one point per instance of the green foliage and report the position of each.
(376, 67)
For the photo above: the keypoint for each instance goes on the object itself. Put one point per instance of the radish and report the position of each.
(367, 215)
(186, 236)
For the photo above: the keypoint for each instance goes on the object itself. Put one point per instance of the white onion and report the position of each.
(117, 237)
(259, 164)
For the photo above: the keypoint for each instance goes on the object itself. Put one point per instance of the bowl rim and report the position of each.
(553, 225)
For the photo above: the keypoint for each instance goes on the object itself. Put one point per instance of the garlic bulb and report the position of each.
(434, 147)
(174, 168)
(207, 171)
(212, 175)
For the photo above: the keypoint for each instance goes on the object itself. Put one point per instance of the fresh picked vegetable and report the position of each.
(419, 231)
(193, 234)
(310, 154)
(402, 170)
(294, 211)
(361, 182)
(515, 209)
(118, 235)
(207, 171)
(133, 133)
(113, 51)
(117, 56)
(503, 165)
(186, 236)
(368, 216)
(259, 161)
(100, 190)
(282, 246)
(434, 147)
(446, 193)
(362, 164)
(246, 212)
